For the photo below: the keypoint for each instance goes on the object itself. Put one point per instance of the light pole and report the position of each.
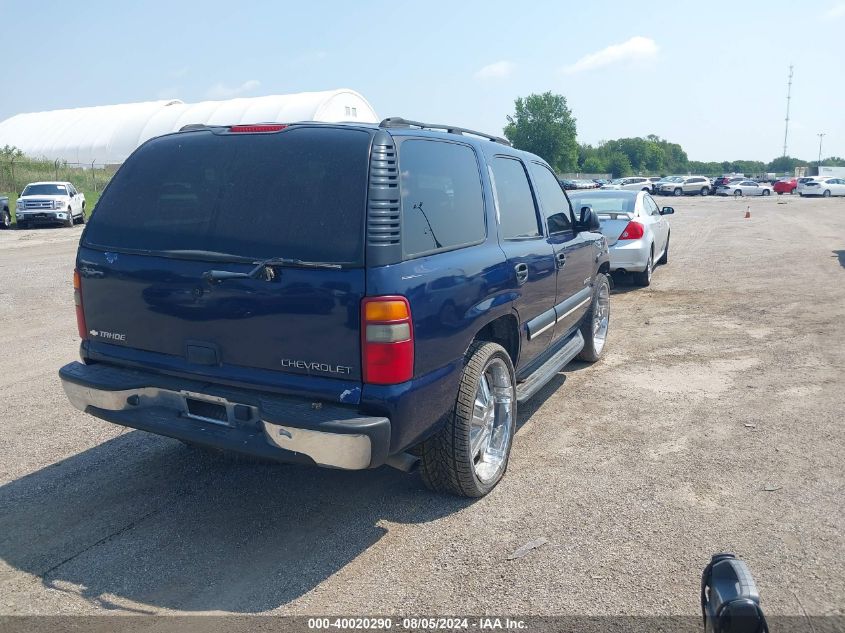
(821, 136)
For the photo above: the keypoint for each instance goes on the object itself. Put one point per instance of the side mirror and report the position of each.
(589, 221)
(667, 211)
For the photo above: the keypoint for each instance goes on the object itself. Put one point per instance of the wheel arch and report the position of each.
(503, 330)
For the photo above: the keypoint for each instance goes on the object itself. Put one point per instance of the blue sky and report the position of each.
(711, 76)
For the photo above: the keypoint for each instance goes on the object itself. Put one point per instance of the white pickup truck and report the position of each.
(49, 203)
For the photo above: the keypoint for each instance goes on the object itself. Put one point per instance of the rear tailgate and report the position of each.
(186, 205)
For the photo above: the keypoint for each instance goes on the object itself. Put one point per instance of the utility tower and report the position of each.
(788, 99)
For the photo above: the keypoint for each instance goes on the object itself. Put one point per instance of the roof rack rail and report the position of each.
(451, 129)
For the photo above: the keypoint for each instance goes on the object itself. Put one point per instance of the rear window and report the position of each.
(604, 204)
(299, 193)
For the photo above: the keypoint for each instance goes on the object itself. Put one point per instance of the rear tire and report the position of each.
(738, 193)
(596, 322)
(7, 219)
(665, 258)
(644, 278)
(469, 455)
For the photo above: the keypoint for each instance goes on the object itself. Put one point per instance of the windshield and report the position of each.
(297, 194)
(604, 203)
(44, 190)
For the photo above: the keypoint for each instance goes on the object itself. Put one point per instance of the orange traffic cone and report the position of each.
(747, 212)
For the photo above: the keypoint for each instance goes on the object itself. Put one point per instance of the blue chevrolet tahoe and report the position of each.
(343, 295)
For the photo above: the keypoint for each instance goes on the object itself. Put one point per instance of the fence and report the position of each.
(90, 179)
(576, 176)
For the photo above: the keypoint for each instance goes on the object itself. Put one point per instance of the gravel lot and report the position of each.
(715, 422)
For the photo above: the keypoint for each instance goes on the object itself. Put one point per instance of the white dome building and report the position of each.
(108, 134)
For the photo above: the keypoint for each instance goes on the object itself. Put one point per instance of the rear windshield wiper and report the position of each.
(264, 269)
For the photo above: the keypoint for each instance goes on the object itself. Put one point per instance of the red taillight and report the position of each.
(77, 299)
(253, 129)
(387, 340)
(633, 231)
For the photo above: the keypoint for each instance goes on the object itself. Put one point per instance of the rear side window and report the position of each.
(553, 201)
(299, 193)
(442, 203)
(517, 213)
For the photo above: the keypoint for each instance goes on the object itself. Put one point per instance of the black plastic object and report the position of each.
(730, 602)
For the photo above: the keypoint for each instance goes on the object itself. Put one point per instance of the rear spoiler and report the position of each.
(615, 215)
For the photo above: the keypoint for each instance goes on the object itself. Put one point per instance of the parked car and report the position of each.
(568, 184)
(635, 183)
(653, 180)
(685, 185)
(744, 188)
(785, 185)
(825, 187)
(6, 220)
(336, 294)
(635, 227)
(724, 180)
(49, 203)
(586, 184)
(802, 182)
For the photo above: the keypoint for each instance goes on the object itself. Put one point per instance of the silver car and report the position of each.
(636, 229)
(744, 188)
(684, 185)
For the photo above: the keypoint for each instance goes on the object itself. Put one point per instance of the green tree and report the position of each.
(593, 165)
(543, 124)
(785, 165)
(618, 164)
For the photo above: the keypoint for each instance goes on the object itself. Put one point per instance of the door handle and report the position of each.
(521, 273)
(561, 259)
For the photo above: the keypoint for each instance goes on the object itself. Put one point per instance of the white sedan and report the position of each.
(634, 183)
(635, 227)
(744, 188)
(825, 187)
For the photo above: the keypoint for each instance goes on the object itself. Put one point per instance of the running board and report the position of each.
(545, 372)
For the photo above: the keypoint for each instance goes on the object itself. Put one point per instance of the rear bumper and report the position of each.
(255, 423)
(630, 255)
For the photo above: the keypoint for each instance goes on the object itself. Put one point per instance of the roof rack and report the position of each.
(451, 129)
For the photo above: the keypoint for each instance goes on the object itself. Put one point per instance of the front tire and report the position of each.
(738, 193)
(678, 192)
(644, 278)
(596, 322)
(826, 193)
(766, 192)
(7, 219)
(69, 221)
(704, 191)
(469, 455)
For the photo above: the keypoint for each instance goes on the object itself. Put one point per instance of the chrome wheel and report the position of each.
(491, 427)
(601, 318)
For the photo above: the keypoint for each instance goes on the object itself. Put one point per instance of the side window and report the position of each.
(442, 203)
(517, 213)
(651, 206)
(553, 201)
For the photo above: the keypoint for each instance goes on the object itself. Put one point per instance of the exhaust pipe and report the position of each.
(403, 461)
